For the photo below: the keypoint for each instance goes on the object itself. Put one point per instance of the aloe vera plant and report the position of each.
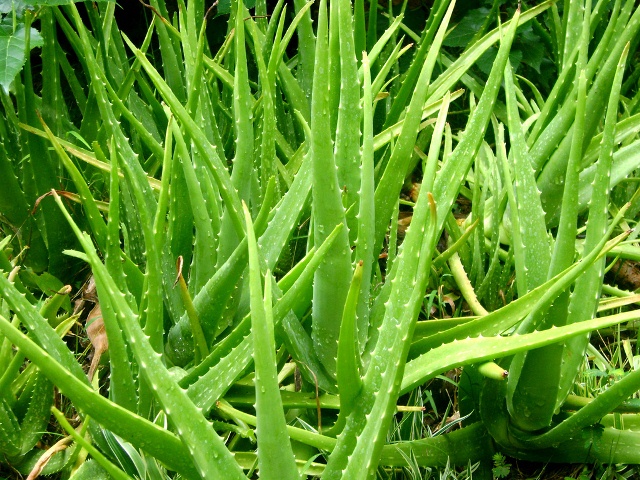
(237, 205)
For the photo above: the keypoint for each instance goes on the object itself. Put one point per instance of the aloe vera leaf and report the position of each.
(293, 92)
(243, 174)
(583, 302)
(131, 166)
(39, 328)
(151, 300)
(625, 129)
(380, 43)
(165, 445)
(532, 251)
(9, 429)
(331, 281)
(79, 96)
(450, 177)
(51, 305)
(596, 102)
(212, 299)
(141, 129)
(357, 452)
(383, 71)
(242, 104)
(366, 209)
(88, 202)
(452, 448)
(192, 40)
(39, 171)
(207, 383)
(207, 151)
(306, 51)
(333, 66)
(36, 418)
(590, 414)
(390, 184)
(170, 53)
(267, 161)
(300, 346)
(271, 426)
(625, 161)
(52, 100)
(464, 284)
(572, 23)
(241, 398)
(113, 471)
(127, 83)
(547, 132)
(428, 47)
(504, 318)
(529, 402)
(564, 246)
(82, 154)
(205, 447)
(204, 250)
(122, 386)
(454, 72)
(474, 350)
(591, 444)
(389, 134)
(348, 360)
(209, 303)
(347, 154)
(15, 208)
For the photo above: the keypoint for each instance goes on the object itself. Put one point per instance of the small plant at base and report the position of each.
(501, 468)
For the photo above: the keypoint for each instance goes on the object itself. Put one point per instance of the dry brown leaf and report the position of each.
(46, 456)
(98, 337)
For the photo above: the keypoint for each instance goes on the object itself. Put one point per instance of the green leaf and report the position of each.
(467, 28)
(272, 425)
(13, 52)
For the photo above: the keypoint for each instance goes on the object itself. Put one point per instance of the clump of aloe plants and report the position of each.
(237, 207)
